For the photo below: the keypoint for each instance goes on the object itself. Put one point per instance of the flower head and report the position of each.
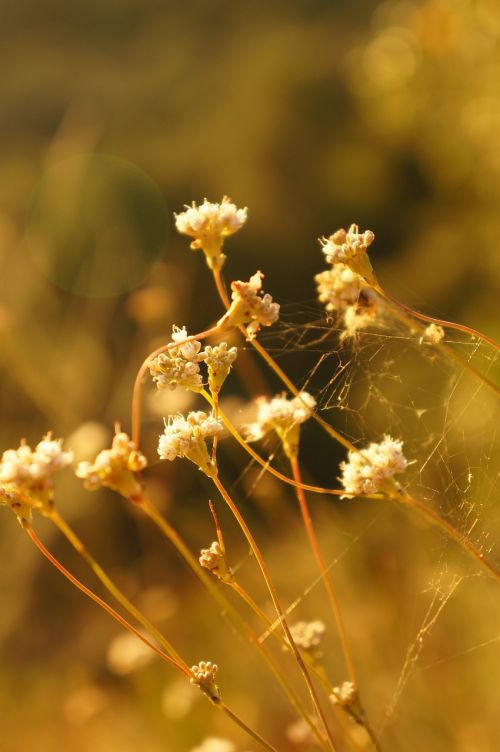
(179, 365)
(219, 360)
(283, 416)
(209, 224)
(350, 248)
(345, 695)
(26, 475)
(115, 468)
(372, 469)
(249, 308)
(432, 335)
(214, 559)
(186, 437)
(308, 634)
(345, 292)
(203, 676)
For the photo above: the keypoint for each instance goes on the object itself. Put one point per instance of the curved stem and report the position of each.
(77, 544)
(137, 390)
(238, 622)
(274, 597)
(450, 530)
(111, 611)
(441, 322)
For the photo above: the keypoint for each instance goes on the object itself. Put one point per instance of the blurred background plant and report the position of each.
(313, 114)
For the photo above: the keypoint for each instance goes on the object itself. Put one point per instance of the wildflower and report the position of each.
(283, 416)
(214, 560)
(203, 676)
(179, 366)
(357, 317)
(308, 634)
(26, 475)
(209, 225)
(350, 248)
(339, 287)
(372, 469)
(219, 360)
(248, 308)
(215, 744)
(115, 468)
(432, 335)
(345, 695)
(186, 437)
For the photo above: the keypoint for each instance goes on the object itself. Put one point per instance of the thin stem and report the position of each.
(431, 319)
(138, 383)
(279, 371)
(224, 708)
(240, 624)
(313, 540)
(274, 597)
(84, 589)
(78, 545)
(265, 463)
(450, 530)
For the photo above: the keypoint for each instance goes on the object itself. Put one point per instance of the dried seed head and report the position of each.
(186, 437)
(372, 469)
(115, 468)
(203, 676)
(209, 224)
(283, 416)
(248, 308)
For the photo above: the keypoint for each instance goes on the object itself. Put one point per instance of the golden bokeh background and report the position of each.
(313, 114)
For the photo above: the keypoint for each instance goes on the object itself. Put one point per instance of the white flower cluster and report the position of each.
(372, 469)
(178, 366)
(186, 437)
(28, 469)
(433, 335)
(214, 560)
(209, 224)
(283, 416)
(203, 676)
(219, 360)
(308, 634)
(344, 246)
(345, 695)
(248, 308)
(115, 468)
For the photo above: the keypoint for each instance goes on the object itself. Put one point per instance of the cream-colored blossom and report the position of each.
(186, 437)
(115, 468)
(283, 416)
(203, 676)
(432, 335)
(214, 560)
(209, 224)
(219, 360)
(372, 469)
(350, 248)
(357, 317)
(26, 475)
(339, 287)
(308, 634)
(345, 695)
(179, 365)
(248, 308)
